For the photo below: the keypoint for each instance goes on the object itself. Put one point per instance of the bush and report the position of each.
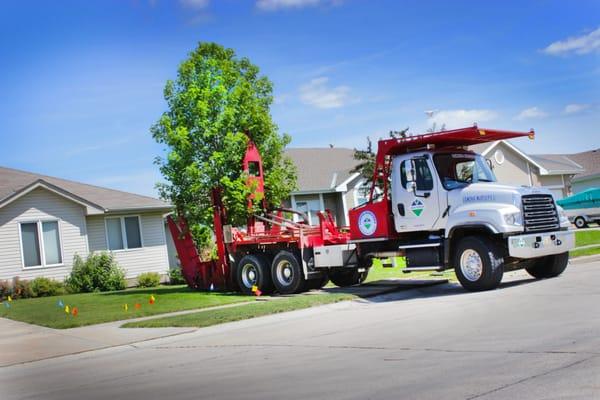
(42, 287)
(5, 290)
(175, 276)
(148, 279)
(99, 272)
(21, 289)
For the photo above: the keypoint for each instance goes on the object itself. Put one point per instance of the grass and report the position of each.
(585, 252)
(95, 308)
(257, 309)
(378, 272)
(586, 238)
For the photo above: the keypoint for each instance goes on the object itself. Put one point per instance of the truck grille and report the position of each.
(539, 213)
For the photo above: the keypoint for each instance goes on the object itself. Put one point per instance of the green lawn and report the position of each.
(586, 238)
(257, 309)
(95, 308)
(585, 252)
(378, 272)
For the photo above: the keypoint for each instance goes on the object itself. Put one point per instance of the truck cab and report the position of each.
(444, 209)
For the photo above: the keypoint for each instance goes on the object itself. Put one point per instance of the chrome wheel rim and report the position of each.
(249, 275)
(284, 273)
(471, 265)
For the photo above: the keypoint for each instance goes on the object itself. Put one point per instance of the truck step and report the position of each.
(427, 268)
(420, 245)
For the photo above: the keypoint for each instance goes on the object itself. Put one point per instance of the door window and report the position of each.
(422, 174)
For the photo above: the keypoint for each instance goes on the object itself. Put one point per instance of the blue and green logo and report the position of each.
(417, 207)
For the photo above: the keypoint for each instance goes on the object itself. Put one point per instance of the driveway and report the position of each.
(527, 340)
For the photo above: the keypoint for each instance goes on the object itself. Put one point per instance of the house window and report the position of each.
(40, 243)
(123, 232)
(311, 208)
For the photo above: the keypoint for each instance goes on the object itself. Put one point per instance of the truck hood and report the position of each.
(489, 192)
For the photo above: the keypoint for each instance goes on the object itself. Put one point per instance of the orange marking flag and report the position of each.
(138, 306)
(75, 311)
(152, 299)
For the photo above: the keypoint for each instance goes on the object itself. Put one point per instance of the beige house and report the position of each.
(513, 167)
(45, 221)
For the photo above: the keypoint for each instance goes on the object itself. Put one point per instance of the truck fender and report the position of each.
(476, 227)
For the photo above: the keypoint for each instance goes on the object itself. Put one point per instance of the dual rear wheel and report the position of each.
(283, 274)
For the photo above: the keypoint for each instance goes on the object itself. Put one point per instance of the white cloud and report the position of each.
(452, 119)
(584, 44)
(195, 4)
(316, 93)
(273, 5)
(531, 112)
(575, 108)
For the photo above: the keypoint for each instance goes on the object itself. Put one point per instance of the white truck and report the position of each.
(432, 201)
(445, 210)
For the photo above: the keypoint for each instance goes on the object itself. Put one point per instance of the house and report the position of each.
(513, 167)
(590, 178)
(46, 221)
(326, 181)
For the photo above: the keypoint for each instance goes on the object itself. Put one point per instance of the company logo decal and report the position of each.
(367, 223)
(417, 207)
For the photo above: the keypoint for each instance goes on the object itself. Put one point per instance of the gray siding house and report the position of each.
(590, 178)
(325, 181)
(45, 221)
(513, 167)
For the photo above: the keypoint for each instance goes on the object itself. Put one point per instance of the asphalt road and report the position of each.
(527, 340)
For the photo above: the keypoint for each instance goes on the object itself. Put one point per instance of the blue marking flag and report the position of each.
(6, 304)
(60, 304)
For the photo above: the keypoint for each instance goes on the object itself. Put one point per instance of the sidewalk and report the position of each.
(21, 342)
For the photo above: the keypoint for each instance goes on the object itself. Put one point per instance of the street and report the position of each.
(527, 340)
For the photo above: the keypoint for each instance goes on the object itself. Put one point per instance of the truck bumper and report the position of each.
(540, 244)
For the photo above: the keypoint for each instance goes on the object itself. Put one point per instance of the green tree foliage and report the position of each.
(214, 100)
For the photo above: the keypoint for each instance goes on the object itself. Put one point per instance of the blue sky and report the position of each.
(82, 81)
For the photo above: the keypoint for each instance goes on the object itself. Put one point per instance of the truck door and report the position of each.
(415, 193)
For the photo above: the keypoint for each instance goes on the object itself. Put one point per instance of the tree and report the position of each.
(215, 100)
(366, 158)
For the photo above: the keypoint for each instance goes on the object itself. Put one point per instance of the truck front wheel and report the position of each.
(478, 263)
(549, 267)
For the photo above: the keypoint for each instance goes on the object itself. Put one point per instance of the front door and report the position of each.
(415, 193)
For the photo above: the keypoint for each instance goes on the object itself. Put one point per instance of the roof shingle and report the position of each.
(13, 181)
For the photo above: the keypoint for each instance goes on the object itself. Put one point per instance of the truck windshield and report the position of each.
(460, 170)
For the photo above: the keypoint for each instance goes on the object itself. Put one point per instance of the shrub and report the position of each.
(99, 272)
(148, 279)
(175, 276)
(5, 289)
(21, 289)
(42, 287)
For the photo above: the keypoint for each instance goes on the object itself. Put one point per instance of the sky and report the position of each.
(81, 81)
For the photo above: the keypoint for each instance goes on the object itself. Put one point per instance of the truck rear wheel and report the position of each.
(478, 263)
(287, 274)
(318, 283)
(343, 277)
(253, 270)
(549, 266)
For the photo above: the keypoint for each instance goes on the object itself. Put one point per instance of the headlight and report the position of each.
(513, 218)
(562, 215)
